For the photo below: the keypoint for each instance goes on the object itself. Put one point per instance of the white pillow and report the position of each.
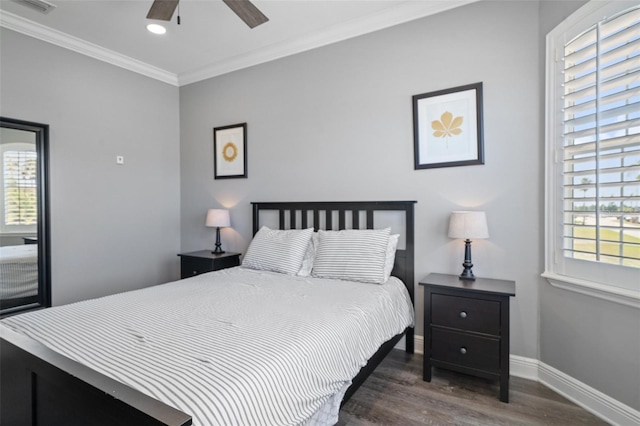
(278, 250)
(390, 256)
(354, 255)
(310, 254)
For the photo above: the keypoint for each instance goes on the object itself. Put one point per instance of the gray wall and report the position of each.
(113, 228)
(335, 123)
(331, 124)
(592, 340)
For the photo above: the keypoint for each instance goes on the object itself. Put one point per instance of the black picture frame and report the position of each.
(230, 151)
(448, 127)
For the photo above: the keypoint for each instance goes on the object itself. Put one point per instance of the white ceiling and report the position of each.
(211, 39)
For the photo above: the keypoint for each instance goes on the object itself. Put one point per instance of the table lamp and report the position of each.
(218, 218)
(468, 225)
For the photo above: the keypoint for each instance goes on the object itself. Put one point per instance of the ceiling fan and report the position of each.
(163, 10)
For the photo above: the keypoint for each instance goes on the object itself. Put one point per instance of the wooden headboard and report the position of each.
(338, 215)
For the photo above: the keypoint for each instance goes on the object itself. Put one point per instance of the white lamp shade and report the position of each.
(466, 224)
(218, 218)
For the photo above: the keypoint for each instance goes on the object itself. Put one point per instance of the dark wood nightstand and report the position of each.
(199, 262)
(466, 327)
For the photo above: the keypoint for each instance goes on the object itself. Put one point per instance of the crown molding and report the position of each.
(33, 29)
(405, 12)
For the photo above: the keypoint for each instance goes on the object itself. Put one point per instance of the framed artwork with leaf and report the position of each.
(447, 127)
(230, 151)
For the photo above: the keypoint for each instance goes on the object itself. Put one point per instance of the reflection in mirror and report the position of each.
(24, 237)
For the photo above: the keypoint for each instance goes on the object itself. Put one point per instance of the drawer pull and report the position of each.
(463, 350)
(463, 314)
(194, 273)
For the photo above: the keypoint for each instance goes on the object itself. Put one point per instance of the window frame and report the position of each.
(6, 229)
(615, 283)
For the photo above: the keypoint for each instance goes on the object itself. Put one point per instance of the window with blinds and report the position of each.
(20, 187)
(601, 142)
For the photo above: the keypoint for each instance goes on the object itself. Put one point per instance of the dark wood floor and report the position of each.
(396, 395)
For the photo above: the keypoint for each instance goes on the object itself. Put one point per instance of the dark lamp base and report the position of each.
(218, 248)
(467, 273)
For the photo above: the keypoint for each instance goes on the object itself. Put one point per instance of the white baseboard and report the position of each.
(592, 400)
(419, 344)
(527, 368)
(583, 395)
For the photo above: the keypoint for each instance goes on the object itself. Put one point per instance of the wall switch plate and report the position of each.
(119, 159)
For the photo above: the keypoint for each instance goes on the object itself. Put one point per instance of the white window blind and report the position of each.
(20, 188)
(601, 142)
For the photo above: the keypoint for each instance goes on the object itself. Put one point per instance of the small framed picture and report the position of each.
(447, 127)
(230, 151)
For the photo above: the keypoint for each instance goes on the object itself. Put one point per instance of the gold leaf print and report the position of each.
(230, 152)
(447, 126)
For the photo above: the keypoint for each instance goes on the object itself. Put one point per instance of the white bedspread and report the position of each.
(19, 253)
(18, 271)
(232, 347)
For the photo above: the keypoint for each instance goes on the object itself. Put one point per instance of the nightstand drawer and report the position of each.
(482, 316)
(200, 262)
(192, 266)
(472, 351)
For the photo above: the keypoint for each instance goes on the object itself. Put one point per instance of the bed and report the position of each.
(45, 382)
(18, 274)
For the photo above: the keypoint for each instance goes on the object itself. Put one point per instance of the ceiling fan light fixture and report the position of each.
(163, 11)
(39, 5)
(156, 29)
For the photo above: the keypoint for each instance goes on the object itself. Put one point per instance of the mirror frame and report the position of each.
(44, 243)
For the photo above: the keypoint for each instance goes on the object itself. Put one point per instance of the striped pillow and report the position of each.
(277, 250)
(354, 255)
(390, 256)
(310, 254)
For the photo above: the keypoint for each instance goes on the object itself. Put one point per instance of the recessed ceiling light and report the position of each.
(156, 29)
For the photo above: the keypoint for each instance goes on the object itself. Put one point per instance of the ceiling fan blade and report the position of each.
(162, 9)
(247, 12)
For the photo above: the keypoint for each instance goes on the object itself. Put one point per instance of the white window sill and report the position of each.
(613, 294)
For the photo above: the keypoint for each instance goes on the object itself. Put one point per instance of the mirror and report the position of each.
(24, 225)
